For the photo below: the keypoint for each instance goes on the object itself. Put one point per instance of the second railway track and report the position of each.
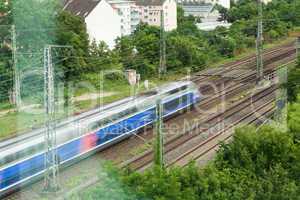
(140, 162)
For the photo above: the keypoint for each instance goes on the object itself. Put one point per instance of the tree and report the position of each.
(293, 83)
(72, 62)
(184, 51)
(224, 15)
(146, 51)
(126, 49)
(186, 25)
(71, 31)
(6, 82)
(260, 164)
(294, 119)
(243, 10)
(102, 58)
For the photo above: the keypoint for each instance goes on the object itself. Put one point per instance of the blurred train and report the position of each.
(24, 161)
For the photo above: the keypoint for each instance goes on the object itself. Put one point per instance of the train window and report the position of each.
(177, 90)
(22, 154)
(115, 117)
(93, 126)
(127, 112)
(175, 103)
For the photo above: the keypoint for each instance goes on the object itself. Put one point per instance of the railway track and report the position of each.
(270, 56)
(232, 87)
(249, 63)
(212, 143)
(140, 162)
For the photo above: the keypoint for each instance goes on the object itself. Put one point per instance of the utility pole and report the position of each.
(298, 47)
(16, 89)
(162, 63)
(51, 159)
(259, 42)
(159, 147)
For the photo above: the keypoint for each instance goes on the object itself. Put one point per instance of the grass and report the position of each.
(13, 122)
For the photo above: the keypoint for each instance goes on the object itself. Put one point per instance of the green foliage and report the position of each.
(293, 83)
(186, 25)
(183, 51)
(5, 79)
(243, 10)
(224, 12)
(141, 50)
(187, 47)
(71, 31)
(294, 119)
(279, 16)
(5, 52)
(256, 165)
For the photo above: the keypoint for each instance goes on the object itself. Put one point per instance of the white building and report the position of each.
(129, 13)
(102, 21)
(106, 20)
(150, 12)
(224, 3)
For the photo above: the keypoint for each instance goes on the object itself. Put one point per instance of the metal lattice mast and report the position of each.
(16, 92)
(162, 65)
(259, 42)
(51, 161)
(159, 147)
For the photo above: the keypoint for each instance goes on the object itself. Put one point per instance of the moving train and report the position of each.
(24, 161)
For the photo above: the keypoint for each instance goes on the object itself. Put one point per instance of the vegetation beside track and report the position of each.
(187, 49)
(258, 164)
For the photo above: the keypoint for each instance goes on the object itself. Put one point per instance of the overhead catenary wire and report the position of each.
(139, 60)
(90, 58)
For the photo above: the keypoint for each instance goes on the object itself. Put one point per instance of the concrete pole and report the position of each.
(259, 43)
(16, 73)
(162, 65)
(159, 150)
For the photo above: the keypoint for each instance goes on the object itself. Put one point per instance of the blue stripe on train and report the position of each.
(14, 174)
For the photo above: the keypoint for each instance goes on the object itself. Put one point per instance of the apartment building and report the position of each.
(126, 10)
(106, 20)
(224, 3)
(150, 12)
(102, 21)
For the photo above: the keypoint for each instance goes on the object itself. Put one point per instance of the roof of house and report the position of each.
(150, 2)
(80, 7)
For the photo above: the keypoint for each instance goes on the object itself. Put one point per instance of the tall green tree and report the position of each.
(186, 25)
(6, 82)
(71, 31)
(293, 83)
